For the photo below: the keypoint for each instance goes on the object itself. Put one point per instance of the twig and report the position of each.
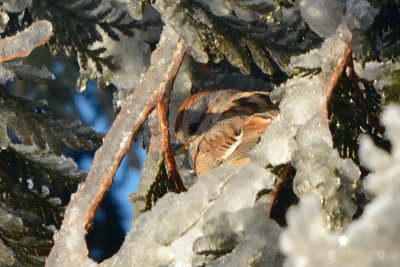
(70, 245)
(22, 44)
(163, 111)
(355, 79)
(274, 194)
(341, 65)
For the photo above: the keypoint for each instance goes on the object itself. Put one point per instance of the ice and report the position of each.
(323, 17)
(381, 73)
(302, 100)
(385, 166)
(241, 9)
(372, 239)
(131, 54)
(28, 72)
(322, 57)
(7, 256)
(133, 7)
(23, 42)
(301, 134)
(13, 6)
(10, 222)
(5, 74)
(4, 18)
(390, 120)
(133, 57)
(221, 222)
(361, 14)
(280, 143)
(220, 209)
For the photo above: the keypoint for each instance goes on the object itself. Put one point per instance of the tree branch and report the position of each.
(70, 245)
(22, 44)
(163, 111)
(355, 79)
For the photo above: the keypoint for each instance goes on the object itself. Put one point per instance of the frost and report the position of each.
(241, 9)
(13, 6)
(372, 239)
(381, 73)
(301, 133)
(28, 72)
(4, 18)
(361, 14)
(5, 74)
(221, 208)
(8, 71)
(21, 44)
(130, 53)
(133, 7)
(280, 143)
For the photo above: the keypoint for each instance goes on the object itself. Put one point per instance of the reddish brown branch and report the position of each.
(343, 63)
(278, 188)
(371, 119)
(165, 62)
(22, 44)
(339, 69)
(163, 111)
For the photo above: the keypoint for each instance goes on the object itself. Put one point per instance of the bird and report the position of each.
(222, 126)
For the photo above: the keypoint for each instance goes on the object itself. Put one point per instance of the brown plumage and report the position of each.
(222, 126)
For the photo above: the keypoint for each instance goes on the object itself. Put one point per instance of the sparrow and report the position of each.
(222, 126)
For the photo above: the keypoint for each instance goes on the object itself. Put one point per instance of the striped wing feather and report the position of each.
(224, 144)
(251, 135)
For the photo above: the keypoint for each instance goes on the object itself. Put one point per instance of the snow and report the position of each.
(380, 73)
(372, 239)
(301, 133)
(221, 205)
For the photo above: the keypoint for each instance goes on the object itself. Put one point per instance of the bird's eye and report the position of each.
(193, 128)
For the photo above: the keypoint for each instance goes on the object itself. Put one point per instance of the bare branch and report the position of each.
(276, 191)
(163, 111)
(355, 79)
(341, 65)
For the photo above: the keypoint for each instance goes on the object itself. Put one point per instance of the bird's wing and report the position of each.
(250, 136)
(218, 144)
(249, 103)
(227, 144)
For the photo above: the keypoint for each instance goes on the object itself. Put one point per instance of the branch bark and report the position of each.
(22, 44)
(70, 245)
(355, 79)
(163, 111)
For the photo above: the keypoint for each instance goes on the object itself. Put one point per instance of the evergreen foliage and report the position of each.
(32, 122)
(35, 186)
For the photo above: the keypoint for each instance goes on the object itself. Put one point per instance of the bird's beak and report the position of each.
(179, 148)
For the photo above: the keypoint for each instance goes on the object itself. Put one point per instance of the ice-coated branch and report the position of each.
(276, 191)
(301, 135)
(340, 66)
(372, 239)
(163, 111)
(70, 245)
(21, 44)
(347, 62)
(355, 79)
